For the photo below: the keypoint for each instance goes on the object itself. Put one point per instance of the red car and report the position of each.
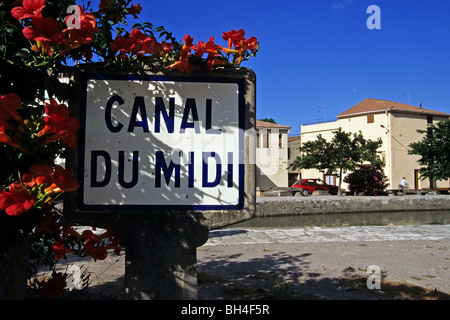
(310, 185)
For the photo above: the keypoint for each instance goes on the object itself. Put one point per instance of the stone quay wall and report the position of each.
(285, 206)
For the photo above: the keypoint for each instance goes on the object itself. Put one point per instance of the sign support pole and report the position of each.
(161, 255)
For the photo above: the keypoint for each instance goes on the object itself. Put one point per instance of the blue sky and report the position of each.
(318, 58)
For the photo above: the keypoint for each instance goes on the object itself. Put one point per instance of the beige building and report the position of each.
(396, 124)
(271, 154)
(293, 146)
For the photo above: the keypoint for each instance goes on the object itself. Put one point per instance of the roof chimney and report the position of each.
(420, 104)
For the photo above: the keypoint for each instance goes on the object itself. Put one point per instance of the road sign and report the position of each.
(158, 142)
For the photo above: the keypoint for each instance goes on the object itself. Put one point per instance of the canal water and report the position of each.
(349, 219)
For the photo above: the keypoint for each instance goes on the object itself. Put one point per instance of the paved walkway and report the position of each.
(242, 236)
(316, 261)
(311, 260)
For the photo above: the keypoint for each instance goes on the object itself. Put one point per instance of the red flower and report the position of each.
(16, 204)
(209, 47)
(46, 33)
(59, 249)
(215, 61)
(161, 49)
(98, 253)
(234, 37)
(66, 132)
(186, 49)
(54, 286)
(56, 112)
(183, 56)
(241, 45)
(212, 50)
(4, 126)
(252, 44)
(134, 10)
(7, 139)
(44, 30)
(89, 237)
(62, 181)
(123, 45)
(182, 65)
(9, 103)
(16, 187)
(83, 35)
(37, 175)
(68, 230)
(47, 226)
(55, 180)
(147, 46)
(139, 44)
(30, 9)
(95, 247)
(59, 124)
(140, 41)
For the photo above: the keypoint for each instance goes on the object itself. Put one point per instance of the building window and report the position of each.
(330, 179)
(262, 139)
(265, 139)
(383, 158)
(370, 118)
(280, 141)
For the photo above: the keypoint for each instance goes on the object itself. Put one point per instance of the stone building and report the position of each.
(271, 154)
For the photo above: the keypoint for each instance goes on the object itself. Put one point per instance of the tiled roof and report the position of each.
(376, 105)
(263, 124)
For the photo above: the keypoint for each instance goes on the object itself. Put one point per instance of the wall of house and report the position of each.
(310, 132)
(271, 159)
(293, 153)
(373, 126)
(404, 132)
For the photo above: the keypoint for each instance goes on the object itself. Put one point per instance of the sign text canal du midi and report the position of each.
(162, 143)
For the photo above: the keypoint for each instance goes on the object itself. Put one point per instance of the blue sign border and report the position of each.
(149, 207)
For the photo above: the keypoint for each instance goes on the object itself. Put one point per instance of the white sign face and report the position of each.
(162, 143)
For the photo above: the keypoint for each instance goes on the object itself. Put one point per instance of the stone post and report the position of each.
(161, 255)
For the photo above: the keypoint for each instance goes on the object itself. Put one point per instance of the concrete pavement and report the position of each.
(311, 261)
(318, 261)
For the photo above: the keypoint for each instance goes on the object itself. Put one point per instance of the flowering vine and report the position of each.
(40, 41)
(42, 184)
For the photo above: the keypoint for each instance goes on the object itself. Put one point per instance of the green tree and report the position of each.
(434, 151)
(270, 120)
(342, 153)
